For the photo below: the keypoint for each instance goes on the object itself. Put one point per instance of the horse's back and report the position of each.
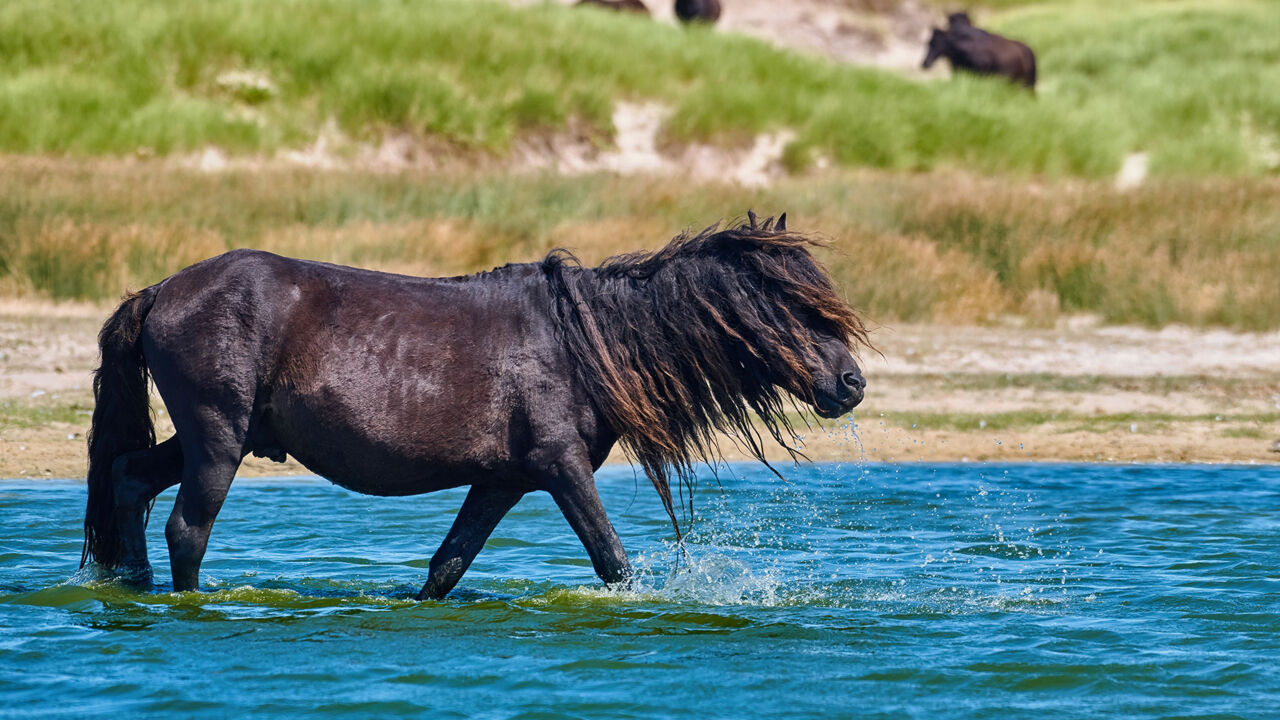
(215, 323)
(253, 297)
(988, 53)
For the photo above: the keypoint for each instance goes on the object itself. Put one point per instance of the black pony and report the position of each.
(707, 11)
(510, 381)
(970, 49)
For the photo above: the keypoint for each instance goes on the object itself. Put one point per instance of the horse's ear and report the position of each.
(781, 225)
(751, 219)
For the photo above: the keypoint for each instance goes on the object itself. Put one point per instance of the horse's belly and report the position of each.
(381, 449)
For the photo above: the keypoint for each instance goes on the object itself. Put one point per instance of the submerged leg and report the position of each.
(205, 481)
(573, 487)
(139, 476)
(484, 507)
(213, 439)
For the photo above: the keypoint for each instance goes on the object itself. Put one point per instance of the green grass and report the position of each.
(1066, 422)
(1189, 82)
(968, 422)
(1252, 433)
(25, 414)
(1153, 385)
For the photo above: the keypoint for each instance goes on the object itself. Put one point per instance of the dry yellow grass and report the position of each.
(931, 247)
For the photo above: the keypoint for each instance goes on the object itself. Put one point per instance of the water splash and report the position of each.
(707, 576)
(96, 574)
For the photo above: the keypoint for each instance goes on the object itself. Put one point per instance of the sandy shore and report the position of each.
(1074, 393)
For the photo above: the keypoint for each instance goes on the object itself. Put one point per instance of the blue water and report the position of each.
(933, 591)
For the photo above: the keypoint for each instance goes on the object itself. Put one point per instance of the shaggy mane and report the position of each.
(677, 345)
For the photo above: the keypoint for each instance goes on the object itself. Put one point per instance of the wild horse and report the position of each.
(509, 381)
(970, 49)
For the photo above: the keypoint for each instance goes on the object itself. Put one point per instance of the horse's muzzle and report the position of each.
(850, 390)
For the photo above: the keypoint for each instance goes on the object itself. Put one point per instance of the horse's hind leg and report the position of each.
(139, 476)
(206, 476)
(484, 507)
(213, 437)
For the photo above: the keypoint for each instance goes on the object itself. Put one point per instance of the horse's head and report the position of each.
(820, 370)
(938, 45)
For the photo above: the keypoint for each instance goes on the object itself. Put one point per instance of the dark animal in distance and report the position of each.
(630, 5)
(509, 381)
(707, 11)
(971, 49)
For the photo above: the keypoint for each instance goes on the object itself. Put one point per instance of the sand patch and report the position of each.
(1133, 172)
(636, 151)
(938, 393)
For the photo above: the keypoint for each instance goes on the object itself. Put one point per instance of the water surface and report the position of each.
(925, 591)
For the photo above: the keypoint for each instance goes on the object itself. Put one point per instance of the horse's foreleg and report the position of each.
(139, 476)
(206, 477)
(573, 487)
(484, 507)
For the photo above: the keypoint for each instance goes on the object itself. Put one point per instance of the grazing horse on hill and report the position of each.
(508, 381)
(970, 49)
(630, 5)
(707, 11)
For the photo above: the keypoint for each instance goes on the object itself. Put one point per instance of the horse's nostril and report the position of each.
(853, 380)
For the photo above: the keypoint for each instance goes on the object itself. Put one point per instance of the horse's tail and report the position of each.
(121, 421)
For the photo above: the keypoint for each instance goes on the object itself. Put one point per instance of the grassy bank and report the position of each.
(1186, 81)
(940, 246)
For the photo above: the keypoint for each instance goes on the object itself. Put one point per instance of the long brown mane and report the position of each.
(677, 345)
